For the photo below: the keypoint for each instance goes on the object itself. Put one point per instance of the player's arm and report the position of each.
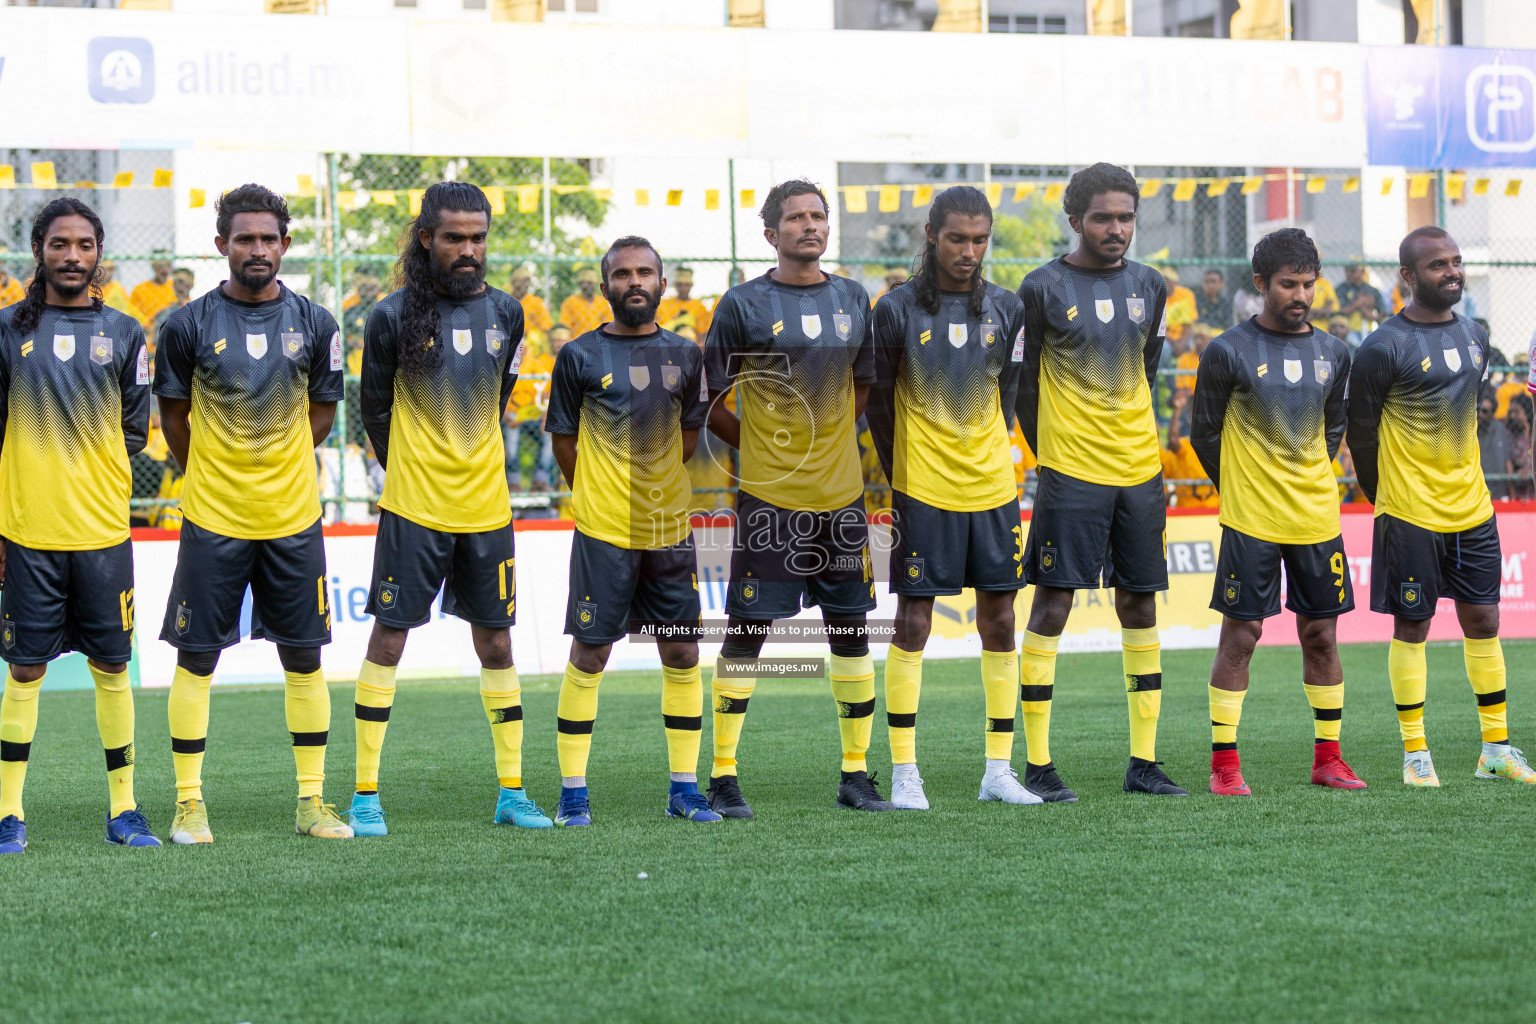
(1027, 402)
(133, 383)
(563, 419)
(727, 336)
(1157, 337)
(1334, 422)
(326, 378)
(1008, 379)
(1208, 409)
(890, 351)
(1370, 379)
(381, 358)
(864, 359)
(695, 405)
(175, 364)
(5, 404)
(515, 329)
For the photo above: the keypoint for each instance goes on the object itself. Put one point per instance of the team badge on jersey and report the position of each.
(639, 377)
(842, 323)
(1293, 370)
(957, 334)
(141, 372)
(64, 346)
(463, 340)
(810, 325)
(494, 340)
(1322, 369)
(671, 377)
(101, 350)
(293, 345)
(1136, 309)
(989, 336)
(1105, 308)
(1018, 347)
(256, 345)
(1453, 359)
(337, 355)
(1476, 356)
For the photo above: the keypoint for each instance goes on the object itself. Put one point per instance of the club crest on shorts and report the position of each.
(914, 570)
(494, 340)
(671, 377)
(1453, 359)
(1412, 595)
(957, 334)
(463, 341)
(101, 351)
(1322, 369)
(1047, 559)
(1105, 308)
(183, 620)
(256, 345)
(1293, 370)
(639, 377)
(389, 595)
(64, 346)
(293, 345)
(8, 634)
(810, 325)
(747, 590)
(586, 612)
(1231, 590)
(1136, 309)
(842, 323)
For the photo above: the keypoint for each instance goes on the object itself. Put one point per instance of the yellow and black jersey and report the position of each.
(1413, 422)
(74, 405)
(250, 370)
(1092, 339)
(437, 430)
(627, 401)
(794, 354)
(942, 403)
(1266, 421)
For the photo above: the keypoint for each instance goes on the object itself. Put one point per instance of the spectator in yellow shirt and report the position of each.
(113, 294)
(1325, 303)
(181, 288)
(587, 310)
(894, 278)
(1181, 308)
(1515, 385)
(1199, 339)
(682, 310)
(155, 294)
(11, 291)
(1180, 462)
(535, 313)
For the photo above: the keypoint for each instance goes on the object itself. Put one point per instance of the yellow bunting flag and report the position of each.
(1386, 186)
(1455, 186)
(1513, 188)
(385, 197)
(42, 175)
(306, 186)
(528, 198)
(748, 198)
(711, 199)
(1418, 186)
(7, 176)
(603, 195)
(415, 197)
(890, 198)
(1480, 187)
(497, 197)
(1151, 187)
(1352, 183)
(642, 197)
(196, 197)
(85, 184)
(995, 193)
(855, 199)
(1054, 191)
(162, 178)
(1252, 184)
(922, 195)
(1023, 191)
(1316, 183)
(674, 197)
(1218, 187)
(346, 200)
(1184, 191)
(122, 179)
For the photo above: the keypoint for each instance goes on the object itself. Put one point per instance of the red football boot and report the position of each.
(1227, 774)
(1329, 769)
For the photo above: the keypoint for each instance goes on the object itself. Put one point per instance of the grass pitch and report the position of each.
(1298, 904)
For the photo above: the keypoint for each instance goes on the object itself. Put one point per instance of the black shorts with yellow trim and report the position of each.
(1412, 568)
(475, 571)
(1248, 578)
(617, 591)
(937, 551)
(784, 559)
(57, 601)
(286, 575)
(1084, 535)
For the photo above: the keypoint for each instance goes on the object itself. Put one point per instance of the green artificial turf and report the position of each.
(1297, 904)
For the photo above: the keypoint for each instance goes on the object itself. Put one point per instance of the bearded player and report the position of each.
(440, 359)
(74, 407)
(1413, 432)
(1268, 416)
(1093, 331)
(948, 346)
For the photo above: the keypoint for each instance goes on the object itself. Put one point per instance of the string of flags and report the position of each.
(855, 198)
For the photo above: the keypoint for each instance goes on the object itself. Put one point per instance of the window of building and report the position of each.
(1032, 24)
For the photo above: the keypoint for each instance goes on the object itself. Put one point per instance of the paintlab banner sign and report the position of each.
(1448, 107)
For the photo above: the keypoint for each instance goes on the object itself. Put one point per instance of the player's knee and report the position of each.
(1411, 631)
(996, 627)
(678, 654)
(1136, 611)
(590, 658)
(914, 623)
(115, 670)
(1318, 636)
(849, 638)
(743, 639)
(1478, 621)
(28, 673)
(493, 646)
(299, 660)
(1239, 637)
(199, 663)
(1048, 614)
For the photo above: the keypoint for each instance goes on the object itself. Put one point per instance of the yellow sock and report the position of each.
(1485, 669)
(577, 711)
(371, 704)
(682, 715)
(730, 703)
(114, 721)
(1037, 667)
(1226, 711)
(1141, 653)
(187, 709)
(18, 724)
(903, 686)
(1409, 674)
(853, 687)
(307, 701)
(999, 675)
(502, 696)
(1327, 710)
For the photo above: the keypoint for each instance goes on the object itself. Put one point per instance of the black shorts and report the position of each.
(780, 556)
(1248, 578)
(616, 591)
(411, 563)
(936, 551)
(1081, 533)
(287, 578)
(1412, 568)
(57, 601)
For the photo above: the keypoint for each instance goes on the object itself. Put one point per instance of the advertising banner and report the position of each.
(1450, 107)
